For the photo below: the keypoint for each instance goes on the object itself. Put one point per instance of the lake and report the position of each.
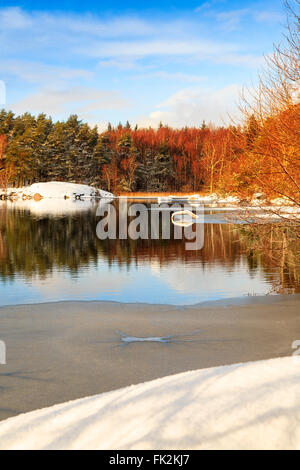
(49, 251)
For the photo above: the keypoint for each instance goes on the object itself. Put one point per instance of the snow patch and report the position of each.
(59, 190)
(254, 405)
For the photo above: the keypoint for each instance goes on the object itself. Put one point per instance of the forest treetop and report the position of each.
(235, 159)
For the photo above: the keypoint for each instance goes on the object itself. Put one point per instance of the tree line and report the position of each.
(237, 159)
(119, 159)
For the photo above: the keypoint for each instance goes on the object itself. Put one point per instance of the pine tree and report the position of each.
(102, 157)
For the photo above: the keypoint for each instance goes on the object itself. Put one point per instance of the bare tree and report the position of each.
(275, 106)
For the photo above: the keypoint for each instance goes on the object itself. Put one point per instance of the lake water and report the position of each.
(49, 251)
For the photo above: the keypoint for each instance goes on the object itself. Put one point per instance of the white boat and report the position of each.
(183, 218)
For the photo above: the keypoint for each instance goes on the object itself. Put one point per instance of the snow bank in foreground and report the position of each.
(242, 406)
(60, 189)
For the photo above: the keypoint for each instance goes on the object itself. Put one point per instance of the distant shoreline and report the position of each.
(224, 302)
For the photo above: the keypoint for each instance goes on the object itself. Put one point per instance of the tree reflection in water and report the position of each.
(35, 245)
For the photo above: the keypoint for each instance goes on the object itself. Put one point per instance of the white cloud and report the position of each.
(249, 60)
(120, 63)
(95, 26)
(37, 72)
(176, 76)
(127, 55)
(231, 19)
(207, 5)
(157, 47)
(45, 23)
(14, 18)
(268, 16)
(61, 37)
(191, 106)
(77, 99)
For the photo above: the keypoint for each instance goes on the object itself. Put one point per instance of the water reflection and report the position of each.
(50, 252)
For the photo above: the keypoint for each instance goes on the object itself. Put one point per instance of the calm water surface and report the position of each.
(49, 251)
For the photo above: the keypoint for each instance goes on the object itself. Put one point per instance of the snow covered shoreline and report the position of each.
(56, 190)
(276, 209)
(60, 189)
(253, 405)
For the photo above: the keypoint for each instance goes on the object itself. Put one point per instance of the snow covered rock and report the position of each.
(60, 189)
(253, 405)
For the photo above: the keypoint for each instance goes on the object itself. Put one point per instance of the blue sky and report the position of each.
(178, 62)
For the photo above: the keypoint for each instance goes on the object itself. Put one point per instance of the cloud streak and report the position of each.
(37, 72)
(190, 106)
(76, 99)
